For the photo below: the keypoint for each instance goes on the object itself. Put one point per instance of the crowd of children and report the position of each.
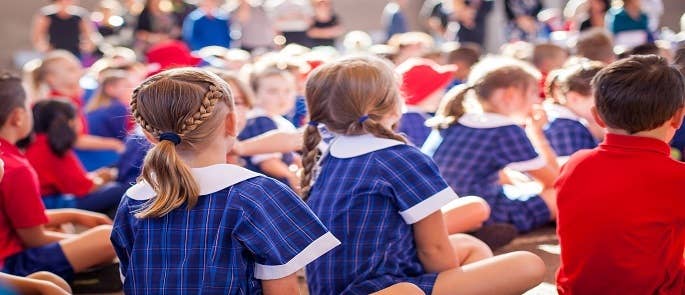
(387, 169)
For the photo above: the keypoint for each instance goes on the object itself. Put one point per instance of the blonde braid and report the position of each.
(213, 95)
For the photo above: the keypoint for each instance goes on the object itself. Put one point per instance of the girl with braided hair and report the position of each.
(196, 225)
(383, 198)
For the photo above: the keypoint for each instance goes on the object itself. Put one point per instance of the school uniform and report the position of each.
(244, 228)
(261, 123)
(113, 120)
(21, 208)
(471, 154)
(413, 125)
(567, 133)
(369, 191)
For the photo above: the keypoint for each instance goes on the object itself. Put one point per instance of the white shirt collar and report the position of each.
(344, 146)
(210, 179)
(485, 120)
(556, 111)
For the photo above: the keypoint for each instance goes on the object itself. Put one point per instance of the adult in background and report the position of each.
(468, 15)
(255, 26)
(522, 18)
(394, 19)
(208, 25)
(292, 18)
(326, 27)
(62, 25)
(155, 25)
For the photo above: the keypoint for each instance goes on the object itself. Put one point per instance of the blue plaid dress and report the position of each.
(470, 155)
(244, 228)
(413, 125)
(566, 133)
(258, 125)
(368, 192)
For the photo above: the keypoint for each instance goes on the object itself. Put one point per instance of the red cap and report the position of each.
(421, 77)
(170, 54)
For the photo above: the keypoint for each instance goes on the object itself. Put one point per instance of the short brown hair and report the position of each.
(12, 95)
(546, 51)
(595, 44)
(638, 93)
(466, 53)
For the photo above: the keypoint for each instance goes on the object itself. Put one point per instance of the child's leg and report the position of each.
(91, 248)
(35, 285)
(465, 214)
(103, 199)
(511, 273)
(401, 289)
(550, 197)
(469, 249)
(52, 278)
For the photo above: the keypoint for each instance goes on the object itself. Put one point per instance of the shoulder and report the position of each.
(401, 157)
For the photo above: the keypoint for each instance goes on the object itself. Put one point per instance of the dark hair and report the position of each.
(468, 53)
(51, 117)
(679, 59)
(638, 93)
(644, 49)
(12, 95)
(546, 51)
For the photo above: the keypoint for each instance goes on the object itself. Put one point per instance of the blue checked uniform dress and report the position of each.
(244, 228)
(566, 133)
(470, 155)
(413, 125)
(259, 125)
(368, 192)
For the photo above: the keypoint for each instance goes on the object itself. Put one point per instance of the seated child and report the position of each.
(472, 148)
(569, 109)
(108, 112)
(195, 224)
(275, 97)
(59, 170)
(620, 226)
(464, 57)
(547, 58)
(383, 198)
(26, 245)
(423, 84)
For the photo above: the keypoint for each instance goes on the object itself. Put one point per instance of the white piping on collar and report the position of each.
(210, 179)
(344, 146)
(485, 120)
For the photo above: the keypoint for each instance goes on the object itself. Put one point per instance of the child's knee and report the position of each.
(529, 264)
(401, 288)
(52, 278)
(469, 245)
(481, 206)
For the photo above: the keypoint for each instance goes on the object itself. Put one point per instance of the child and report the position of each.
(59, 170)
(275, 97)
(194, 224)
(27, 246)
(472, 148)
(208, 25)
(464, 57)
(612, 238)
(423, 84)
(596, 44)
(108, 112)
(569, 112)
(383, 197)
(629, 24)
(547, 58)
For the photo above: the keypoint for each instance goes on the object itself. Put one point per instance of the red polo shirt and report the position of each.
(621, 219)
(58, 175)
(20, 202)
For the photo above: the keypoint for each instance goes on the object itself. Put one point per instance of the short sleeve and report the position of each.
(122, 236)
(514, 150)
(21, 199)
(255, 127)
(73, 177)
(414, 181)
(278, 228)
(568, 137)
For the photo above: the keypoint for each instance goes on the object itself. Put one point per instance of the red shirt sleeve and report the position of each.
(22, 202)
(72, 178)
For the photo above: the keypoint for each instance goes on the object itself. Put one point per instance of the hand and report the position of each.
(294, 183)
(467, 17)
(49, 288)
(90, 219)
(536, 122)
(106, 174)
(527, 23)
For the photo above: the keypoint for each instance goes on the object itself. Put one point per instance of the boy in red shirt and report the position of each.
(26, 245)
(621, 217)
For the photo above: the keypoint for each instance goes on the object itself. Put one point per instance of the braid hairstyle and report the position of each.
(338, 94)
(190, 103)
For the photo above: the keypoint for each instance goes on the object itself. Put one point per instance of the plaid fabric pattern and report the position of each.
(359, 199)
(470, 160)
(412, 124)
(258, 126)
(213, 248)
(569, 136)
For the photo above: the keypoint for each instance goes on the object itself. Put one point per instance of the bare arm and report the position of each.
(39, 34)
(29, 286)
(286, 285)
(270, 142)
(92, 142)
(38, 236)
(433, 245)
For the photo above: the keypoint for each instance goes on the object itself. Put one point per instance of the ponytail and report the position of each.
(311, 155)
(452, 107)
(374, 127)
(171, 178)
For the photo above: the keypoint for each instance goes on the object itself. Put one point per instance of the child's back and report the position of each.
(619, 225)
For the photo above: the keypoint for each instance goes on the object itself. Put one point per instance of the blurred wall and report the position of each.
(16, 15)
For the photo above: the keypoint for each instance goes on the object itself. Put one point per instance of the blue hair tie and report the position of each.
(363, 119)
(313, 123)
(170, 136)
